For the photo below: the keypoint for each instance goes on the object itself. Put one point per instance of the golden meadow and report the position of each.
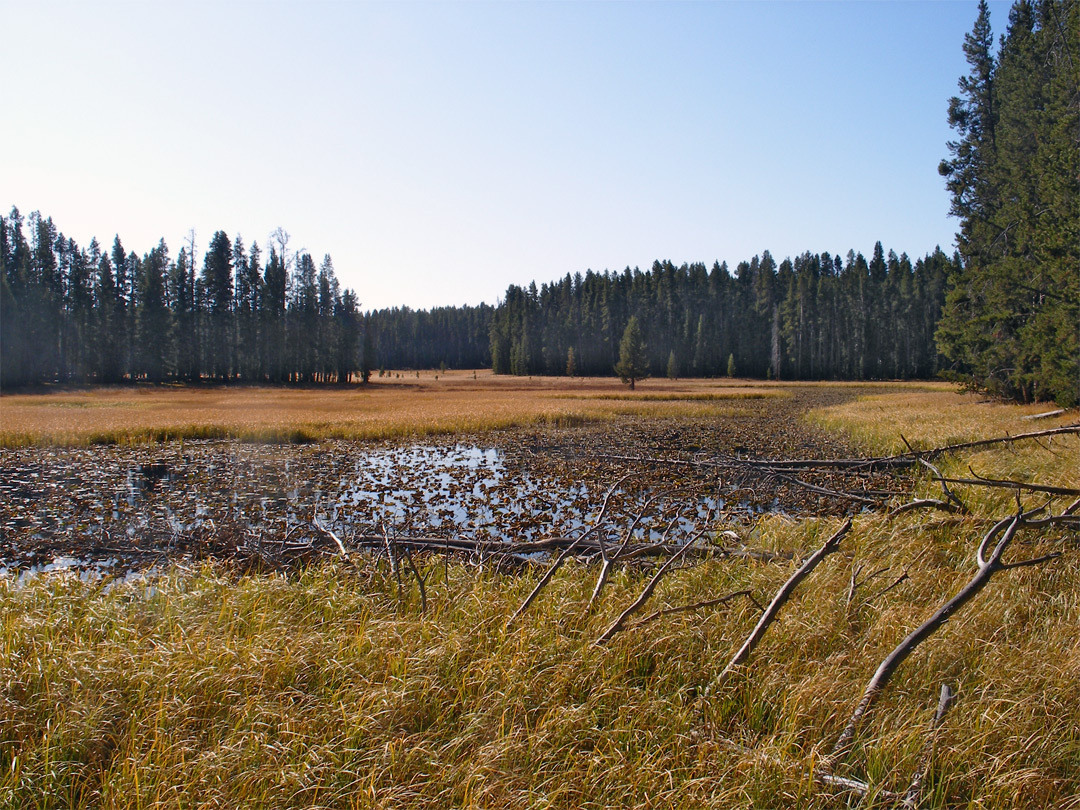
(328, 688)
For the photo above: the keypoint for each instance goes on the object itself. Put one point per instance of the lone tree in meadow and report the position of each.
(632, 365)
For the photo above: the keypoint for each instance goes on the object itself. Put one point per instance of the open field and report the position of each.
(391, 407)
(335, 686)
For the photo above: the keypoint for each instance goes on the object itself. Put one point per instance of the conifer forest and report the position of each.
(999, 314)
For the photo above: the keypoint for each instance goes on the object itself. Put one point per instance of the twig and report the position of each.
(945, 701)
(721, 600)
(643, 597)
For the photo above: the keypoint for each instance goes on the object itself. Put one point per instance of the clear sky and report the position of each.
(442, 151)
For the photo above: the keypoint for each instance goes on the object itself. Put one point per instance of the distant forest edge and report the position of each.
(1002, 314)
(84, 315)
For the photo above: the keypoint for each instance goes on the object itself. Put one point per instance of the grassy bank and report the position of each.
(330, 688)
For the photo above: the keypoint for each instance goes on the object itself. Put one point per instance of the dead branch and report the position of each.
(1047, 415)
(644, 596)
(951, 448)
(987, 567)
(904, 576)
(1007, 484)
(945, 701)
(853, 786)
(721, 600)
(855, 583)
(861, 464)
(769, 616)
(924, 503)
(944, 486)
(332, 535)
(609, 560)
(544, 580)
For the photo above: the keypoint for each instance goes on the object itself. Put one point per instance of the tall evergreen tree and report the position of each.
(1010, 321)
(633, 364)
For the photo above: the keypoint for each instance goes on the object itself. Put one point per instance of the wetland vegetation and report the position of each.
(218, 675)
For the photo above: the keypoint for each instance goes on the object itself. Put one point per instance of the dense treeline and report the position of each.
(73, 314)
(451, 337)
(814, 317)
(77, 315)
(1011, 324)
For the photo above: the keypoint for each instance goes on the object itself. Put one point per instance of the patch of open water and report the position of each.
(87, 511)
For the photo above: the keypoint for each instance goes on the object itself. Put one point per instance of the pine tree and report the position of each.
(633, 363)
(1009, 325)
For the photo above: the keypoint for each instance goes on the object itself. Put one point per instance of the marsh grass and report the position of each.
(401, 408)
(389, 408)
(325, 688)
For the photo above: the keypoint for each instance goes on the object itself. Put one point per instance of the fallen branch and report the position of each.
(721, 600)
(643, 597)
(544, 580)
(769, 616)
(1047, 415)
(987, 567)
(1017, 485)
(925, 503)
(332, 535)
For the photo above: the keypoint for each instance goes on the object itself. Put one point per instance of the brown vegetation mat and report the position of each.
(123, 507)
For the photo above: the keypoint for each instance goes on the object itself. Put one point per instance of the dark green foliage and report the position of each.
(633, 365)
(1012, 315)
(672, 366)
(69, 314)
(814, 317)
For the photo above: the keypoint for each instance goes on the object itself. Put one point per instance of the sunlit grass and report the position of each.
(929, 419)
(328, 687)
(400, 405)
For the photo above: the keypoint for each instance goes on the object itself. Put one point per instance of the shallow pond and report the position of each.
(97, 509)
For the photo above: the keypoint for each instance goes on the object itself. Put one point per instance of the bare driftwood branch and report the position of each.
(914, 791)
(769, 616)
(331, 534)
(644, 596)
(859, 464)
(952, 448)
(987, 567)
(1047, 415)
(1006, 484)
(609, 560)
(841, 783)
(944, 486)
(924, 503)
(544, 580)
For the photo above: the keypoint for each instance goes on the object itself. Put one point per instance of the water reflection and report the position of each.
(116, 503)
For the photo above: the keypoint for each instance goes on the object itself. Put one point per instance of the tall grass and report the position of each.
(389, 408)
(328, 687)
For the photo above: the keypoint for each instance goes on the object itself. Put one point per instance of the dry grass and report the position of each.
(932, 418)
(398, 405)
(324, 689)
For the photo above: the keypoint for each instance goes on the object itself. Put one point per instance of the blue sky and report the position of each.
(442, 151)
